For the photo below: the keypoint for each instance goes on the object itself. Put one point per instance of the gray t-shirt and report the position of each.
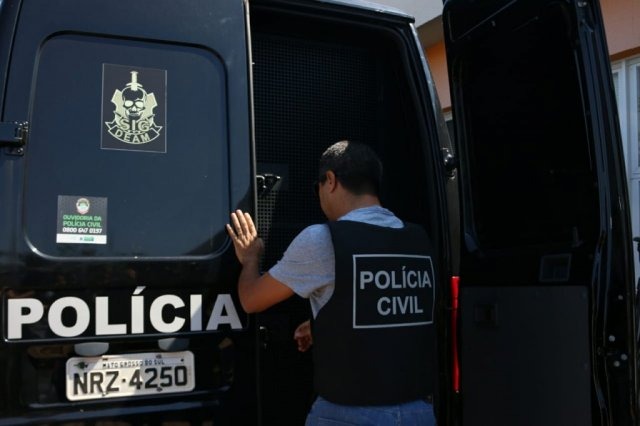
(308, 264)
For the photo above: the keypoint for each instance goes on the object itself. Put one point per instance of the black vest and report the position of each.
(374, 340)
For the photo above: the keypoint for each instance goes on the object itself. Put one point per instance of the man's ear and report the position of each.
(331, 180)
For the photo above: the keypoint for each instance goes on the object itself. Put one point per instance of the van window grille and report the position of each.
(307, 95)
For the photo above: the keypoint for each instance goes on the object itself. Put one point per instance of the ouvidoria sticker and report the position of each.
(133, 108)
(82, 220)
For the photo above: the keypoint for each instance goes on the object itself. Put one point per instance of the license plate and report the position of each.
(112, 376)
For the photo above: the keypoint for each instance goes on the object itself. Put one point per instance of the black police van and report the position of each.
(130, 130)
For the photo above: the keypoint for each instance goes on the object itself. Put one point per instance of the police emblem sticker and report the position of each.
(392, 290)
(81, 220)
(134, 108)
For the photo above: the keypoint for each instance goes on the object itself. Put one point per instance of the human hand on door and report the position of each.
(303, 337)
(247, 244)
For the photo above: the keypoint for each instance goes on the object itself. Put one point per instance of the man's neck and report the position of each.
(355, 202)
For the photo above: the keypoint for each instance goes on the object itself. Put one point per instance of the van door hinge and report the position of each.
(450, 162)
(13, 135)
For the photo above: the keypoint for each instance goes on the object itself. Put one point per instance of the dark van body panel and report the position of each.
(118, 214)
(145, 130)
(547, 288)
(148, 122)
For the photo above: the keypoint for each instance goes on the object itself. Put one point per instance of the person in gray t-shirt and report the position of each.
(350, 176)
(308, 265)
(349, 181)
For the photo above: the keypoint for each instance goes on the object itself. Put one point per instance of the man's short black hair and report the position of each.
(356, 166)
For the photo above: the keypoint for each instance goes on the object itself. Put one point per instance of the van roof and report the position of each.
(371, 6)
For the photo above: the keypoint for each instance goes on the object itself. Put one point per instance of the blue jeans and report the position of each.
(415, 413)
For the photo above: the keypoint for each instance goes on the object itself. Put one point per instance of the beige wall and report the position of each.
(437, 58)
(622, 25)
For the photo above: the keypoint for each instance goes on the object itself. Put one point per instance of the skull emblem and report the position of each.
(133, 117)
(134, 98)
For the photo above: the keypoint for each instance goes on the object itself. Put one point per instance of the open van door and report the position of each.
(117, 278)
(547, 333)
(326, 71)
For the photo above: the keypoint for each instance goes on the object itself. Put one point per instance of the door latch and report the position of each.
(267, 182)
(13, 135)
(450, 162)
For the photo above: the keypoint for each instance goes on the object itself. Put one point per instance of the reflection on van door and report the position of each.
(547, 333)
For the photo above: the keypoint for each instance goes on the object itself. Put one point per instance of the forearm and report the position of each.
(259, 292)
(256, 292)
(247, 281)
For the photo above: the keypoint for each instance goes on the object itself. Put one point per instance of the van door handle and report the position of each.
(266, 183)
(14, 136)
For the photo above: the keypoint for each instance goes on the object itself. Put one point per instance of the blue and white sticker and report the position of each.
(81, 220)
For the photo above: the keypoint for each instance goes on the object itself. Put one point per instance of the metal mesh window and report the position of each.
(307, 95)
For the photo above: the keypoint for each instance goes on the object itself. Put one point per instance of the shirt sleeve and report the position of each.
(308, 263)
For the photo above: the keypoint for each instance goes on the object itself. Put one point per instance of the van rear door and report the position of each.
(325, 71)
(113, 255)
(547, 291)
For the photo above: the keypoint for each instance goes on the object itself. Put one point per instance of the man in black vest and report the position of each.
(371, 284)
